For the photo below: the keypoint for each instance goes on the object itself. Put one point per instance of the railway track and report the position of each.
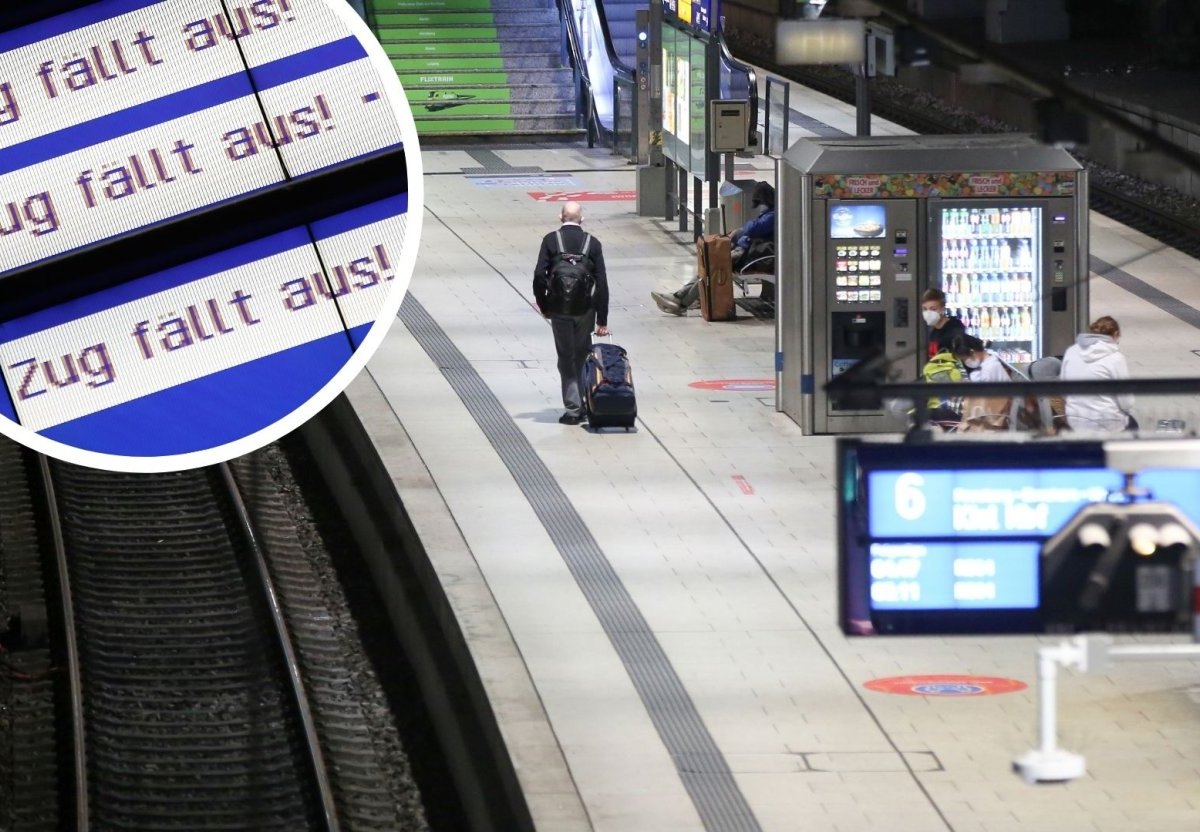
(203, 674)
(1111, 200)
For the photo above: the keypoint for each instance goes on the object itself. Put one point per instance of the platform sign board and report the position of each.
(126, 114)
(702, 15)
(948, 539)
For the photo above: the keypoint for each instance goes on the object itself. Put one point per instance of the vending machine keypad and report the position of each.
(858, 274)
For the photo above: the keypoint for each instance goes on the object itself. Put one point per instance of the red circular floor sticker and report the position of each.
(740, 385)
(945, 685)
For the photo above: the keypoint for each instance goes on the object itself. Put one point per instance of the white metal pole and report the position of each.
(1047, 699)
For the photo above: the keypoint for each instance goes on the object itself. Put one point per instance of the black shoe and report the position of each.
(570, 419)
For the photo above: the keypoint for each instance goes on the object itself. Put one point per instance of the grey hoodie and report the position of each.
(1096, 357)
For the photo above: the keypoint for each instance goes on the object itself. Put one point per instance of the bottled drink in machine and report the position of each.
(991, 275)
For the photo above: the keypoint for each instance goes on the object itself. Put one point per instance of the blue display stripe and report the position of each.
(208, 206)
(213, 410)
(198, 269)
(6, 405)
(179, 104)
(328, 227)
(358, 334)
(70, 21)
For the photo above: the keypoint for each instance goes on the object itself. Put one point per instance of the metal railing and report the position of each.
(624, 104)
(730, 66)
(571, 54)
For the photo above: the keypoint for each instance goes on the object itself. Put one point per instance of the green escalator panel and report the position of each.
(448, 56)
(432, 101)
(420, 64)
(452, 79)
(397, 50)
(420, 108)
(423, 19)
(428, 5)
(440, 33)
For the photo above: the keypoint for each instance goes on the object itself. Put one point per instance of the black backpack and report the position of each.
(571, 280)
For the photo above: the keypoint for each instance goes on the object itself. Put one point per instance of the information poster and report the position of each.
(685, 116)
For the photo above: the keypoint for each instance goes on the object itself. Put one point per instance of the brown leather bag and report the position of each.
(714, 266)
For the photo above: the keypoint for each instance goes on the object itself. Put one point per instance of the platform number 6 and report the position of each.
(910, 499)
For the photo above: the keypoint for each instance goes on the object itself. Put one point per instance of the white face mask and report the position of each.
(971, 363)
(931, 316)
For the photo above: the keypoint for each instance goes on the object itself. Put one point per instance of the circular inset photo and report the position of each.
(209, 215)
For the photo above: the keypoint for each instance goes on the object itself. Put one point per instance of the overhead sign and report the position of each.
(703, 15)
(126, 114)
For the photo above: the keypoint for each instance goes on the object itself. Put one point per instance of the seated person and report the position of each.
(749, 244)
(982, 412)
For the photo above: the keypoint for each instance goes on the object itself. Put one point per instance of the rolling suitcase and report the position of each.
(714, 266)
(608, 394)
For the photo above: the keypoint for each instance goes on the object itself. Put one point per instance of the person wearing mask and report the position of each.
(760, 230)
(942, 327)
(982, 412)
(1096, 355)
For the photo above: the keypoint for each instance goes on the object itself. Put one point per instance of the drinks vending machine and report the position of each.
(866, 225)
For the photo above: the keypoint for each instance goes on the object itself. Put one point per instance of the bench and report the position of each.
(757, 271)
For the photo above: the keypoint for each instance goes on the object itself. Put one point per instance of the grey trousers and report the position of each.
(572, 342)
(689, 293)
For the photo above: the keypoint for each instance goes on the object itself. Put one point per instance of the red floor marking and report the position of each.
(945, 685)
(746, 487)
(742, 385)
(584, 196)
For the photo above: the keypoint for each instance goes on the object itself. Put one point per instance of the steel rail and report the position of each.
(74, 675)
(316, 758)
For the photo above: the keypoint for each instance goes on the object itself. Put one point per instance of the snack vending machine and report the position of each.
(866, 225)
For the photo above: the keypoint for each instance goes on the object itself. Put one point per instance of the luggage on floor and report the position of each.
(608, 395)
(714, 266)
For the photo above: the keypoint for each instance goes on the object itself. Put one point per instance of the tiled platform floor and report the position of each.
(717, 517)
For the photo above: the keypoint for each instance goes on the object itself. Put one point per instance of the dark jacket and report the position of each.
(939, 339)
(573, 237)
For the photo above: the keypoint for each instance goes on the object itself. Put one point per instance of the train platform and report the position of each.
(653, 613)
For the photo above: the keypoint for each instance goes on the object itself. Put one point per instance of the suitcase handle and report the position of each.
(608, 336)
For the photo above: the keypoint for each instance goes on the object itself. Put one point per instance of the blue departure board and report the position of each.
(948, 540)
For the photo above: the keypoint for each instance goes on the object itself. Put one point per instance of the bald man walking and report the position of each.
(570, 287)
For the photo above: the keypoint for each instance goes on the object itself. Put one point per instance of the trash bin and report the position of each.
(734, 198)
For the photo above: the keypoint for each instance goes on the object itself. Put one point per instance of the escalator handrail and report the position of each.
(621, 69)
(736, 65)
(566, 13)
